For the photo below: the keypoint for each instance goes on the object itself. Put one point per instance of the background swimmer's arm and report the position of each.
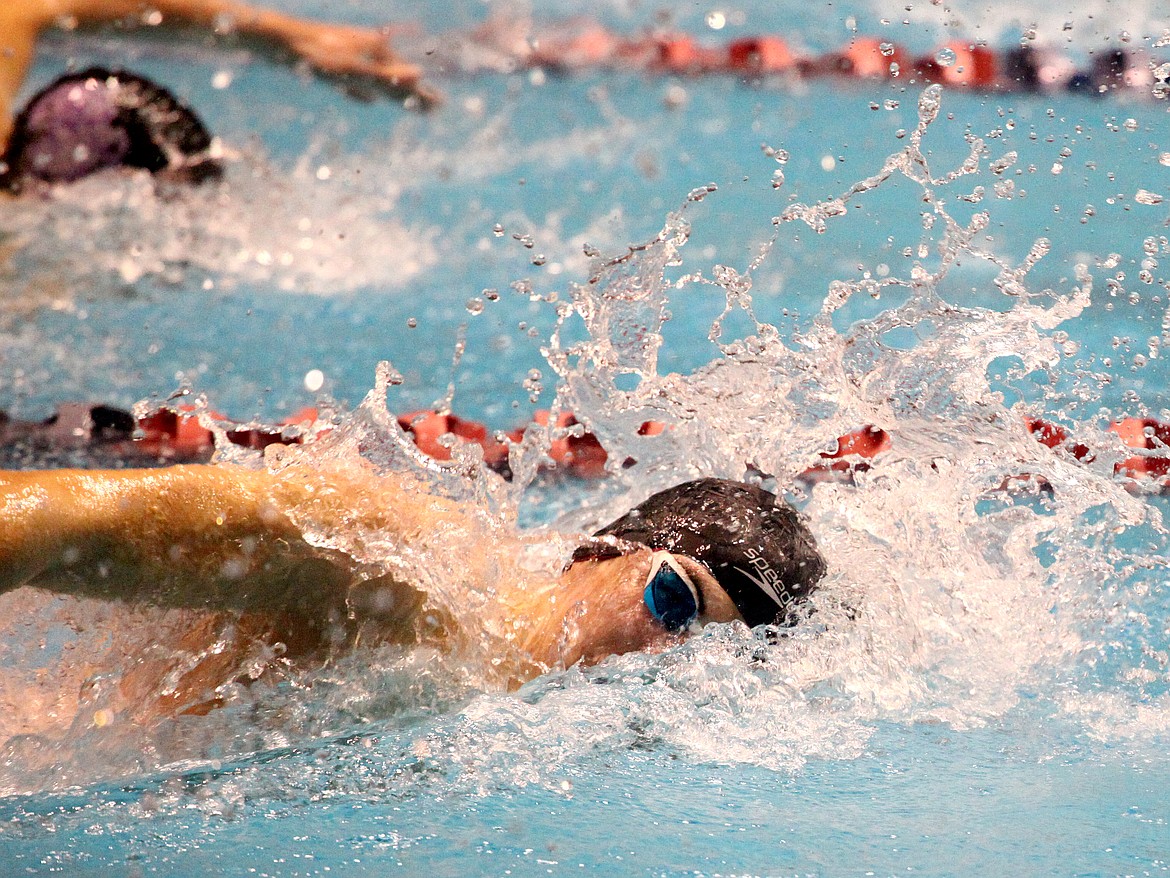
(18, 38)
(332, 49)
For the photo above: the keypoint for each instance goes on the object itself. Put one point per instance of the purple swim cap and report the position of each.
(86, 122)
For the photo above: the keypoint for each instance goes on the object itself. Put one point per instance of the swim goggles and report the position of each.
(671, 595)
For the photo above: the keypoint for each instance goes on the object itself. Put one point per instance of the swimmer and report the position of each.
(221, 541)
(87, 122)
(100, 118)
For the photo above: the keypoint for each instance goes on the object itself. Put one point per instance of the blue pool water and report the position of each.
(994, 697)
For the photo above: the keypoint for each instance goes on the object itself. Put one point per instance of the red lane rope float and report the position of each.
(961, 63)
(850, 455)
(1146, 434)
(174, 434)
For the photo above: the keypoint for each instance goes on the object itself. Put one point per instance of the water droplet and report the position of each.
(1144, 196)
(1002, 164)
(676, 97)
(411, 323)
(886, 49)
(492, 295)
(716, 20)
(474, 306)
(314, 380)
(498, 230)
(946, 57)
(1131, 125)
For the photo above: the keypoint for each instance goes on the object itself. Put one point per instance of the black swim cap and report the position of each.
(85, 122)
(754, 544)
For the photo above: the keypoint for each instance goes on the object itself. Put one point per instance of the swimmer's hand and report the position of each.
(348, 52)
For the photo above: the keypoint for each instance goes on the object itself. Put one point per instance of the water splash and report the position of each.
(309, 229)
(958, 591)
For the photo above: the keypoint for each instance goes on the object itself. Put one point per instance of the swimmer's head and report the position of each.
(87, 122)
(754, 546)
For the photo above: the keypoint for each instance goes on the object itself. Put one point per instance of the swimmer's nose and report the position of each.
(635, 630)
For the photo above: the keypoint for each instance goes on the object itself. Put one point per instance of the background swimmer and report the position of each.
(222, 540)
(99, 118)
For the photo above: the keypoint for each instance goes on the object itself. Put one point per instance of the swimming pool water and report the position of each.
(945, 735)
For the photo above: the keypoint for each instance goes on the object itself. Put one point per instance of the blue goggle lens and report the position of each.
(670, 595)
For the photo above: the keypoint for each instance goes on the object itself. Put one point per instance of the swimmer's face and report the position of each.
(599, 609)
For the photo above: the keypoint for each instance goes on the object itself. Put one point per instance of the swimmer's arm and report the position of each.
(333, 49)
(184, 535)
(19, 28)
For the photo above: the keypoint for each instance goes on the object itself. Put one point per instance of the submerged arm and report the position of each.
(332, 49)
